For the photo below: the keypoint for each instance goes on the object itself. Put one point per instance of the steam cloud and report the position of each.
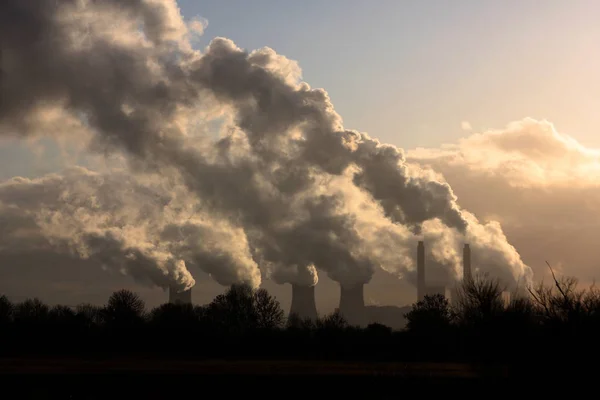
(144, 230)
(541, 184)
(283, 186)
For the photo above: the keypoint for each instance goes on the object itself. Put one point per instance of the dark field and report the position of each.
(164, 379)
(147, 378)
(286, 368)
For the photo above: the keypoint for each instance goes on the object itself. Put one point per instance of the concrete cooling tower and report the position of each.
(352, 304)
(183, 297)
(303, 302)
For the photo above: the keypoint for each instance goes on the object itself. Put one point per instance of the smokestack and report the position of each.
(303, 302)
(467, 272)
(421, 271)
(352, 304)
(183, 297)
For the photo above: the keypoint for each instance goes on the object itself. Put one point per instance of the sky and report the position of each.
(410, 72)
(464, 87)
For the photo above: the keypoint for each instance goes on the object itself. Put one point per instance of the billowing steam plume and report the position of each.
(302, 191)
(540, 183)
(142, 230)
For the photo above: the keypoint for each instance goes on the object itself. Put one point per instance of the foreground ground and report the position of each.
(256, 368)
(150, 378)
(44, 378)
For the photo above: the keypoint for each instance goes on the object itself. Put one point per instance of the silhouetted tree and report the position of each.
(295, 322)
(172, 324)
(563, 306)
(268, 310)
(89, 316)
(567, 314)
(60, 314)
(31, 323)
(6, 311)
(520, 315)
(174, 316)
(479, 303)
(233, 311)
(63, 328)
(480, 328)
(378, 330)
(31, 312)
(200, 312)
(243, 309)
(63, 320)
(124, 309)
(432, 315)
(332, 334)
(334, 321)
(591, 305)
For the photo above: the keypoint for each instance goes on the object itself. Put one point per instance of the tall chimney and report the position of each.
(467, 272)
(421, 271)
(183, 297)
(303, 302)
(352, 304)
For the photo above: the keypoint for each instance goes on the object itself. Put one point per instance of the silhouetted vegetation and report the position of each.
(545, 323)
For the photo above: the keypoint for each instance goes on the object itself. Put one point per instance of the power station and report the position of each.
(352, 305)
(180, 297)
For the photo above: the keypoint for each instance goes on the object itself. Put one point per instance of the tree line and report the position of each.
(557, 322)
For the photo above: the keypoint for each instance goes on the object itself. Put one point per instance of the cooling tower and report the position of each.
(420, 271)
(352, 304)
(467, 272)
(303, 302)
(184, 297)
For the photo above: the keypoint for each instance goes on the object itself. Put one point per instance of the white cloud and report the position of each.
(542, 185)
(198, 25)
(525, 153)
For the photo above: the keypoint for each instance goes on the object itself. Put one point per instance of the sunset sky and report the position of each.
(501, 98)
